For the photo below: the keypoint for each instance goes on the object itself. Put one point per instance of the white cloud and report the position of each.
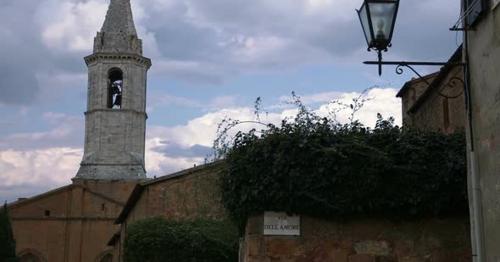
(208, 41)
(53, 166)
(323, 97)
(202, 130)
(162, 100)
(70, 25)
(42, 166)
(66, 130)
(379, 100)
(159, 164)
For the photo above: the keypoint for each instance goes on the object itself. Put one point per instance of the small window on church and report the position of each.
(47, 213)
(413, 95)
(446, 113)
(115, 88)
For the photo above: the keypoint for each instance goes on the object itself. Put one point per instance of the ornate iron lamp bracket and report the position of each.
(401, 64)
(452, 83)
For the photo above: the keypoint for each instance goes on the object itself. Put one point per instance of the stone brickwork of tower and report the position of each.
(115, 120)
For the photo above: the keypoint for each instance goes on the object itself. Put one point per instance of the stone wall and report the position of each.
(443, 108)
(436, 104)
(411, 92)
(369, 240)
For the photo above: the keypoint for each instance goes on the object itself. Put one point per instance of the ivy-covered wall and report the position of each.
(399, 192)
(312, 167)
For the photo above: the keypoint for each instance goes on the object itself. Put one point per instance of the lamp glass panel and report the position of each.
(363, 17)
(382, 15)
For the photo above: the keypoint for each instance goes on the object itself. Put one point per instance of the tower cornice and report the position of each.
(116, 111)
(96, 57)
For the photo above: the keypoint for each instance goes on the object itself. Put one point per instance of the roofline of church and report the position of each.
(139, 188)
(453, 59)
(59, 190)
(22, 201)
(456, 57)
(413, 81)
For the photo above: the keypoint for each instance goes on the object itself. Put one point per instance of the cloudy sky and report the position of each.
(211, 59)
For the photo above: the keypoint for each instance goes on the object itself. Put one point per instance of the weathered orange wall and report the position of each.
(369, 240)
(80, 223)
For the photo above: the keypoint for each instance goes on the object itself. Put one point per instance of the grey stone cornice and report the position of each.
(116, 111)
(111, 164)
(93, 58)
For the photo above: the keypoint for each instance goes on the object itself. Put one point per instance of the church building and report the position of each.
(75, 222)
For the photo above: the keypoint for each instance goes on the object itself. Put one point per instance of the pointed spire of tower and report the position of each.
(119, 18)
(118, 34)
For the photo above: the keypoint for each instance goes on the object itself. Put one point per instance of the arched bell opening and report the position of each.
(115, 88)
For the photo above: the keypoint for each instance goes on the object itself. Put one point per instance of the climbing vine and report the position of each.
(316, 166)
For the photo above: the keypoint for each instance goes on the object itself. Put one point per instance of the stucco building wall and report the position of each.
(73, 223)
(484, 64)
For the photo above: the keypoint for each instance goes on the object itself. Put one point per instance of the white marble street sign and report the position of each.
(281, 224)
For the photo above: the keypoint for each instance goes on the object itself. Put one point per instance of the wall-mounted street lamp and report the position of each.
(378, 18)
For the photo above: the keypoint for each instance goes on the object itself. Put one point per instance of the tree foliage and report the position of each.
(316, 166)
(158, 239)
(7, 242)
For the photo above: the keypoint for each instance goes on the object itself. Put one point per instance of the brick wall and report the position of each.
(370, 240)
(191, 194)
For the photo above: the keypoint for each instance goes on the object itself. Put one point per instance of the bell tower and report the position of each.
(115, 120)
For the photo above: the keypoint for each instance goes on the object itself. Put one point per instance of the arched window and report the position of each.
(413, 96)
(446, 114)
(30, 256)
(115, 88)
